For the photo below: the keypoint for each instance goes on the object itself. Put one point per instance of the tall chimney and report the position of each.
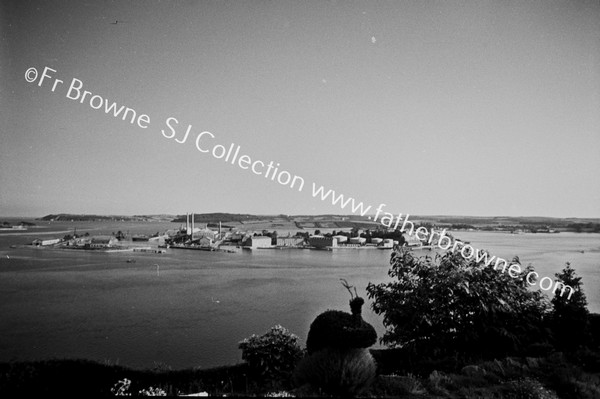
(187, 223)
(192, 226)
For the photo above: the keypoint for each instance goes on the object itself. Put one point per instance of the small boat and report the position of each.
(130, 260)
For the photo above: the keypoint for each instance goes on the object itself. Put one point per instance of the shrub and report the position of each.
(450, 305)
(337, 372)
(340, 330)
(273, 355)
(337, 329)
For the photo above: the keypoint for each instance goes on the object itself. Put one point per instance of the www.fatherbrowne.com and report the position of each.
(443, 241)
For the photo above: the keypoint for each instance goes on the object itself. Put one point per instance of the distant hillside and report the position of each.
(511, 223)
(99, 218)
(220, 217)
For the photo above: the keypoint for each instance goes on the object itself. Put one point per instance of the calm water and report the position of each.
(193, 309)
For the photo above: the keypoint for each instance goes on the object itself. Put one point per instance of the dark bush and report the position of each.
(337, 329)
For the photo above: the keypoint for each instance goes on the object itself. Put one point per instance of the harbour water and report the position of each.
(191, 308)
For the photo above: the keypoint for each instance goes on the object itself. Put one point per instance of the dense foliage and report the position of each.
(448, 305)
(273, 355)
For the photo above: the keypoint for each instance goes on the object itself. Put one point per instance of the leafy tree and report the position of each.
(570, 316)
(449, 305)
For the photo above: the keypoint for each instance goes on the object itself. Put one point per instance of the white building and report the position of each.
(258, 242)
(39, 242)
(358, 240)
(341, 239)
(103, 242)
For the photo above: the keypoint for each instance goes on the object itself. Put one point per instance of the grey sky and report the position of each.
(474, 108)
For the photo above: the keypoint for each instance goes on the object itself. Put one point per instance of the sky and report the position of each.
(481, 108)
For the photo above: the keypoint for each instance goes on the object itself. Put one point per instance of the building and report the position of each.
(205, 232)
(413, 241)
(103, 242)
(39, 242)
(236, 236)
(81, 241)
(159, 240)
(341, 239)
(358, 240)
(290, 241)
(254, 242)
(322, 242)
(205, 242)
(387, 243)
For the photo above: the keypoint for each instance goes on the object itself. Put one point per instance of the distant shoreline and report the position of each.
(521, 224)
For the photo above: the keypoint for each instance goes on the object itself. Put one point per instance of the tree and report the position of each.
(448, 305)
(570, 317)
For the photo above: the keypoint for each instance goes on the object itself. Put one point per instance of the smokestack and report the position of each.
(219, 228)
(192, 226)
(187, 223)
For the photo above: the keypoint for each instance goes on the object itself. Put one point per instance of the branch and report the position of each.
(348, 287)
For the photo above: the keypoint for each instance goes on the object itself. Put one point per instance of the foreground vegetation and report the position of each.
(551, 376)
(454, 329)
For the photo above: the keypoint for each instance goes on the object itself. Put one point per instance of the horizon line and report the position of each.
(294, 215)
